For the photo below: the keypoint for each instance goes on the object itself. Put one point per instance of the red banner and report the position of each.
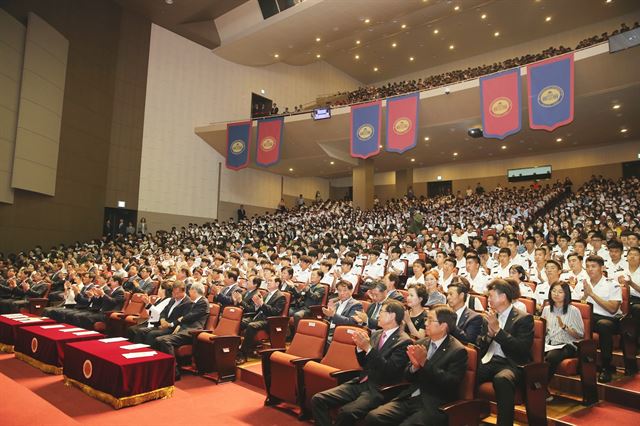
(402, 122)
(500, 103)
(269, 140)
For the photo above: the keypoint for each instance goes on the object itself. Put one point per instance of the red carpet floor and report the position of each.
(604, 414)
(30, 397)
(629, 383)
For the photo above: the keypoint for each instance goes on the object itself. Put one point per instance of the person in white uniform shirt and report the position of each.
(346, 272)
(631, 278)
(502, 270)
(597, 248)
(419, 267)
(304, 274)
(537, 272)
(553, 269)
(517, 273)
(397, 265)
(373, 270)
(563, 249)
(460, 236)
(475, 275)
(410, 253)
(575, 275)
(449, 271)
(617, 265)
(605, 295)
(461, 262)
(515, 258)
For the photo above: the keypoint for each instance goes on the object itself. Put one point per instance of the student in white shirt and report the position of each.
(575, 275)
(631, 278)
(616, 265)
(475, 275)
(502, 270)
(517, 273)
(419, 267)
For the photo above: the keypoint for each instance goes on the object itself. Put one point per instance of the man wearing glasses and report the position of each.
(382, 357)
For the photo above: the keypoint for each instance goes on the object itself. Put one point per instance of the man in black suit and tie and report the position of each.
(340, 311)
(245, 301)
(177, 308)
(505, 343)
(271, 305)
(194, 319)
(224, 297)
(141, 283)
(104, 301)
(468, 322)
(311, 295)
(34, 287)
(369, 319)
(436, 370)
(383, 359)
(392, 281)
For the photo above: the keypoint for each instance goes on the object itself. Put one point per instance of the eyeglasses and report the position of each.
(430, 320)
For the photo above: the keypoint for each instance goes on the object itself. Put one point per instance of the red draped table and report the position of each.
(43, 346)
(9, 324)
(101, 369)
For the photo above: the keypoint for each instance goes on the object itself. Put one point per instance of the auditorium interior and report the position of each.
(350, 212)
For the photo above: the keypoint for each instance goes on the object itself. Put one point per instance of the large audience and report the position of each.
(438, 256)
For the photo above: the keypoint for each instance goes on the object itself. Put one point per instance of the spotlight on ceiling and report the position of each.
(475, 132)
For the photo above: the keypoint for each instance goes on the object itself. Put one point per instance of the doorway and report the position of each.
(439, 187)
(114, 215)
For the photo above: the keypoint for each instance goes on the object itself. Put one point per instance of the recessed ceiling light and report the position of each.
(426, 138)
(168, 1)
(439, 178)
(366, 21)
(380, 146)
(393, 44)
(455, 154)
(451, 47)
(623, 130)
(276, 55)
(436, 31)
(411, 58)
(290, 169)
(357, 56)
(503, 147)
(456, 8)
(496, 34)
(262, 91)
(318, 56)
(608, 1)
(616, 106)
(547, 19)
(357, 41)
(403, 26)
(332, 163)
(317, 38)
(558, 139)
(375, 68)
(413, 160)
(483, 16)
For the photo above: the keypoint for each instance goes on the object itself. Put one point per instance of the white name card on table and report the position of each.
(28, 319)
(52, 326)
(85, 333)
(14, 316)
(113, 340)
(133, 355)
(69, 330)
(134, 346)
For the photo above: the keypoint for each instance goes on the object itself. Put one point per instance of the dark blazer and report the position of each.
(385, 366)
(373, 323)
(196, 317)
(224, 297)
(112, 300)
(468, 328)
(179, 311)
(273, 308)
(313, 295)
(247, 305)
(144, 286)
(515, 338)
(35, 290)
(439, 380)
(395, 295)
(345, 317)
(82, 300)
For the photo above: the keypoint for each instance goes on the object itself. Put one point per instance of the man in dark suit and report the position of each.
(194, 319)
(436, 370)
(34, 287)
(340, 311)
(177, 308)
(245, 301)
(105, 301)
(271, 305)
(224, 297)
(141, 283)
(383, 359)
(392, 281)
(468, 322)
(369, 319)
(312, 294)
(505, 343)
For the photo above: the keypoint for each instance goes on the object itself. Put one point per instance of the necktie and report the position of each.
(266, 300)
(491, 349)
(432, 349)
(383, 338)
(375, 311)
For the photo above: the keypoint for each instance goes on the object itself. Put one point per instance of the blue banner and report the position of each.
(550, 85)
(238, 139)
(366, 123)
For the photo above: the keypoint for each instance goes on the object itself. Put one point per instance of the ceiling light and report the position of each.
(276, 56)
(547, 19)
(616, 106)
(318, 56)
(375, 68)
(426, 138)
(290, 169)
(456, 8)
(496, 34)
(357, 56)
(558, 139)
(413, 160)
(436, 31)
(332, 163)
(379, 146)
(403, 26)
(357, 41)
(503, 147)
(317, 38)
(439, 178)
(411, 58)
(451, 47)
(623, 130)
(168, 1)
(262, 91)
(455, 154)
(393, 44)
(608, 1)
(483, 16)
(366, 21)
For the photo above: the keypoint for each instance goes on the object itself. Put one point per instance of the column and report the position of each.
(363, 185)
(404, 179)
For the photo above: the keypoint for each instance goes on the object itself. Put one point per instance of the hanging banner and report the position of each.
(402, 123)
(269, 140)
(550, 84)
(500, 104)
(238, 139)
(366, 120)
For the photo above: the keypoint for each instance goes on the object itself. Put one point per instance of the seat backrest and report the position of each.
(468, 385)
(529, 303)
(214, 316)
(46, 292)
(365, 305)
(625, 299)
(341, 353)
(404, 294)
(136, 304)
(310, 339)
(539, 334)
(287, 304)
(229, 324)
(155, 285)
(327, 290)
(586, 312)
(484, 300)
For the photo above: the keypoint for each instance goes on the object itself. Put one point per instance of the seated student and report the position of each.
(564, 326)
(419, 267)
(575, 275)
(468, 322)
(415, 315)
(552, 269)
(505, 343)
(436, 370)
(382, 357)
(631, 278)
(517, 273)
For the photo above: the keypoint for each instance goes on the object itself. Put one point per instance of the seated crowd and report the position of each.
(414, 274)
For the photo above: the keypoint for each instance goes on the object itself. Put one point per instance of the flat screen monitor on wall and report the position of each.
(529, 173)
(260, 106)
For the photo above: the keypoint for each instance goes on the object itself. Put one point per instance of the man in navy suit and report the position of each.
(107, 300)
(341, 310)
(225, 297)
(468, 322)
